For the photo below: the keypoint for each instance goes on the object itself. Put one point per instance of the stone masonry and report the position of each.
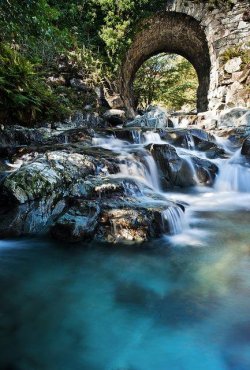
(216, 41)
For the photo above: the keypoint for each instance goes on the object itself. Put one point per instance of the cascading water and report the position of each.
(175, 217)
(137, 136)
(142, 168)
(190, 141)
(152, 137)
(234, 175)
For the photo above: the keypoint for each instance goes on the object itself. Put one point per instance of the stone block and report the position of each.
(233, 65)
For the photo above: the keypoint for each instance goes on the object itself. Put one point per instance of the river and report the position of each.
(178, 303)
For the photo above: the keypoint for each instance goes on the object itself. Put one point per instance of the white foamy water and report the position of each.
(234, 175)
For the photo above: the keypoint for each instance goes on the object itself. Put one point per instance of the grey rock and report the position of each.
(154, 118)
(78, 224)
(233, 65)
(231, 117)
(50, 173)
(115, 116)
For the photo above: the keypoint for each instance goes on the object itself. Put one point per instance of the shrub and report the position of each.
(24, 96)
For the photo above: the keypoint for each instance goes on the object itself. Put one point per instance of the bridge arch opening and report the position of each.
(167, 32)
(166, 80)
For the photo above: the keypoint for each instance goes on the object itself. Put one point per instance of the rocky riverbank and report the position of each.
(110, 183)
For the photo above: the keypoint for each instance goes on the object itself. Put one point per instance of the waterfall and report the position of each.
(234, 175)
(152, 137)
(152, 172)
(147, 173)
(137, 137)
(190, 141)
(142, 169)
(175, 218)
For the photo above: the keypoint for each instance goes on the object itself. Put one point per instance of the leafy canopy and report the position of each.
(168, 80)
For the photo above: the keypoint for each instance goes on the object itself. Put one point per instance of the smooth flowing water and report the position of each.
(178, 303)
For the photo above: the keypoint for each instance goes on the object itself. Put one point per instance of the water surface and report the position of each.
(166, 305)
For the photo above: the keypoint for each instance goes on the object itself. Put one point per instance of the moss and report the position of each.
(237, 51)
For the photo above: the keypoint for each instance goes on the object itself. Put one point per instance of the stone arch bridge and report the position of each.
(202, 36)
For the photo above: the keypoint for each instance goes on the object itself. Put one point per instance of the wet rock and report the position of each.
(114, 117)
(232, 117)
(181, 171)
(128, 219)
(205, 170)
(29, 218)
(174, 171)
(78, 224)
(194, 139)
(95, 187)
(155, 118)
(19, 136)
(245, 150)
(48, 174)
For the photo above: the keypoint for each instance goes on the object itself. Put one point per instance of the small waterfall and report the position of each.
(175, 218)
(66, 139)
(137, 136)
(152, 137)
(130, 167)
(224, 144)
(185, 155)
(234, 175)
(147, 173)
(141, 168)
(110, 143)
(190, 141)
(152, 173)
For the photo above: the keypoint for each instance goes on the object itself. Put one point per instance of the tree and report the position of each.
(168, 80)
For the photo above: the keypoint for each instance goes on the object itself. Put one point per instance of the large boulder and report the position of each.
(78, 223)
(29, 218)
(181, 171)
(130, 220)
(50, 173)
(234, 117)
(114, 117)
(154, 118)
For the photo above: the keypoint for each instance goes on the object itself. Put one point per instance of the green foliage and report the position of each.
(167, 80)
(237, 51)
(92, 34)
(23, 94)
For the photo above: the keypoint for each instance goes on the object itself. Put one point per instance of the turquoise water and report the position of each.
(169, 305)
